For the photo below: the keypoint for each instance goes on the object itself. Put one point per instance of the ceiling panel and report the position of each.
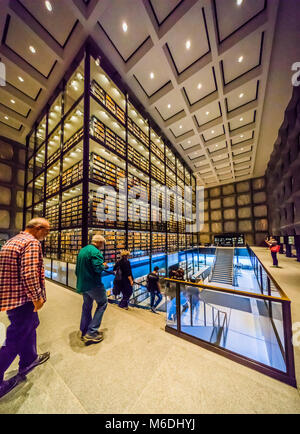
(59, 22)
(190, 28)
(243, 137)
(231, 16)
(20, 38)
(152, 62)
(119, 12)
(208, 113)
(181, 127)
(20, 80)
(213, 132)
(242, 120)
(243, 95)
(170, 105)
(13, 103)
(162, 9)
(200, 85)
(249, 49)
(217, 147)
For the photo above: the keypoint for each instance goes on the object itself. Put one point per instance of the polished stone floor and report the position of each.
(138, 368)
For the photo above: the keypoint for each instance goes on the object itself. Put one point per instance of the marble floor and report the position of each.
(137, 368)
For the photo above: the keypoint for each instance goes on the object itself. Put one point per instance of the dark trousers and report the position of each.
(20, 338)
(126, 294)
(274, 257)
(152, 298)
(89, 325)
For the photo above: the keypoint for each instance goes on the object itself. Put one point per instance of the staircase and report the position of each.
(223, 267)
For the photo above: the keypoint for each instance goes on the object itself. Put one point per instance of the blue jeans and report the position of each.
(20, 338)
(159, 298)
(89, 325)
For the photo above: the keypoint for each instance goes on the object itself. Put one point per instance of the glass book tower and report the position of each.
(93, 134)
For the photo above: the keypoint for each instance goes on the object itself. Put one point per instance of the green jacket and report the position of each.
(89, 267)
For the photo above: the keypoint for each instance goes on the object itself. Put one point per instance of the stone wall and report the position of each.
(12, 164)
(236, 208)
(283, 173)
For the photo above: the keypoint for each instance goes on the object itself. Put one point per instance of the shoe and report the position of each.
(80, 336)
(42, 358)
(153, 310)
(126, 308)
(7, 385)
(93, 339)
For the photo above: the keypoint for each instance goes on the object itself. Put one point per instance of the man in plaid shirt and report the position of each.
(22, 294)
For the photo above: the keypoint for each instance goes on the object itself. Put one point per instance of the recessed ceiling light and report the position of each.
(207, 113)
(189, 142)
(213, 131)
(240, 59)
(242, 136)
(199, 86)
(188, 44)
(21, 79)
(217, 146)
(32, 49)
(97, 61)
(151, 75)
(242, 149)
(180, 126)
(124, 27)
(239, 2)
(48, 6)
(12, 101)
(6, 117)
(241, 95)
(169, 106)
(241, 119)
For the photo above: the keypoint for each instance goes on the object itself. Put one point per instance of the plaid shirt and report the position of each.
(22, 275)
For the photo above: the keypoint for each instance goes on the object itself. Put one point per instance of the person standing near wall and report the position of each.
(22, 294)
(89, 266)
(275, 248)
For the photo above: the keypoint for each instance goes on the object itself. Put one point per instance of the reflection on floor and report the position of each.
(138, 368)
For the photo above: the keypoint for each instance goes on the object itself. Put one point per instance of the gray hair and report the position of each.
(98, 239)
(36, 222)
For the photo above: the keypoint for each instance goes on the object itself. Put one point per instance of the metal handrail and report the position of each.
(213, 266)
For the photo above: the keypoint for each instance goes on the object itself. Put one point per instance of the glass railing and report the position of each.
(252, 329)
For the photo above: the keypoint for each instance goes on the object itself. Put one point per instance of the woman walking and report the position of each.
(123, 281)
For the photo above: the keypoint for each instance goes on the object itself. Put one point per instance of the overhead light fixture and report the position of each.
(180, 126)
(240, 59)
(199, 86)
(21, 79)
(97, 62)
(207, 113)
(239, 2)
(188, 44)
(32, 49)
(241, 119)
(151, 75)
(189, 142)
(242, 136)
(213, 131)
(169, 106)
(6, 117)
(242, 149)
(124, 27)
(12, 101)
(241, 95)
(48, 6)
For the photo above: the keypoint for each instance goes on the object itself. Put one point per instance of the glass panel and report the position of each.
(52, 185)
(31, 144)
(41, 132)
(171, 305)
(29, 195)
(30, 169)
(55, 113)
(40, 161)
(72, 167)
(59, 272)
(38, 210)
(71, 209)
(74, 87)
(237, 323)
(54, 145)
(47, 265)
(73, 128)
(72, 279)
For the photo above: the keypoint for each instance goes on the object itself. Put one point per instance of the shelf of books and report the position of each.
(95, 164)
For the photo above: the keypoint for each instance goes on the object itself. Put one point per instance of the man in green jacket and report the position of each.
(89, 267)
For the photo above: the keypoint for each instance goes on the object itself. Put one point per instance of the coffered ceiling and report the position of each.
(201, 68)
